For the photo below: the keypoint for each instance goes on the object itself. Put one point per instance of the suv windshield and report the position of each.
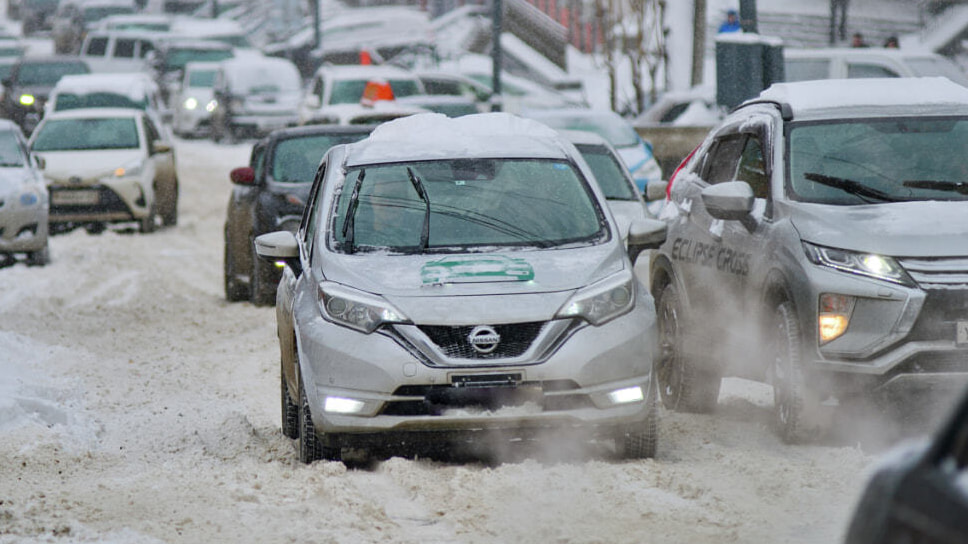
(110, 133)
(48, 73)
(862, 161)
(177, 58)
(472, 202)
(350, 91)
(295, 160)
(72, 101)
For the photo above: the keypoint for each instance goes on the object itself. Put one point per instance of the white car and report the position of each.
(255, 95)
(108, 176)
(194, 102)
(335, 85)
(23, 200)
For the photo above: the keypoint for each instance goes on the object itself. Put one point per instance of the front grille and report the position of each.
(435, 399)
(940, 273)
(941, 312)
(108, 202)
(516, 338)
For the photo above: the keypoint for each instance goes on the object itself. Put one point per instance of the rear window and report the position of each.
(99, 134)
(48, 73)
(295, 159)
(351, 91)
(806, 69)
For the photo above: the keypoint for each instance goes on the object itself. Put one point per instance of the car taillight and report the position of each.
(674, 174)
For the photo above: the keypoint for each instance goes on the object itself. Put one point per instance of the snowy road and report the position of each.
(137, 406)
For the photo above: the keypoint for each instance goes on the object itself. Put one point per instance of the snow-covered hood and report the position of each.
(904, 229)
(62, 165)
(429, 287)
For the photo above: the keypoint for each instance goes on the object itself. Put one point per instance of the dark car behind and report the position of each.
(29, 84)
(269, 195)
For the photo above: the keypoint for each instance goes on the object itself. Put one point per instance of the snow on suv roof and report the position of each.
(429, 136)
(807, 97)
(134, 85)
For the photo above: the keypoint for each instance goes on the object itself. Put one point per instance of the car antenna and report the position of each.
(422, 193)
(348, 223)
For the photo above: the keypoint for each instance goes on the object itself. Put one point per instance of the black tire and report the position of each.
(796, 408)
(307, 442)
(682, 385)
(170, 217)
(40, 257)
(146, 224)
(235, 290)
(640, 442)
(262, 287)
(290, 410)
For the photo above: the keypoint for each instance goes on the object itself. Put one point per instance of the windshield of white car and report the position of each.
(48, 73)
(612, 177)
(295, 160)
(11, 154)
(72, 101)
(201, 78)
(473, 203)
(862, 161)
(98, 133)
(350, 91)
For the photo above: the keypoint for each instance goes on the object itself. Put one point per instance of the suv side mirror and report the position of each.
(279, 246)
(244, 175)
(160, 147)
(645, 234)
(732, 200)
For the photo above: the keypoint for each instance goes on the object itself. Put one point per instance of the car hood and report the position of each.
(62, 165)
(903, 229)
(477, 286)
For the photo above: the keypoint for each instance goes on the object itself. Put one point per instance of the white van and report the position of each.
(117, 50)
(867, 62)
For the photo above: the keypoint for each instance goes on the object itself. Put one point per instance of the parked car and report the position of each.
(36, 15)
(623, 196)
(867, 62)
(75, 18)
(269, 195)
(254, 96)
(827, 226)
(194, 102)
(167, 62)
(451, 106)
(454, 277)
(337, 85)
(30, 82)
(636, 153)
(917, 491)
(118, 50)
(108, 176)
(23, 201)
(123, 90)
(452, 84)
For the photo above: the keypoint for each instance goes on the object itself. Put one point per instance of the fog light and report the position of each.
(626, 395)
(340, 405)
(833, 316)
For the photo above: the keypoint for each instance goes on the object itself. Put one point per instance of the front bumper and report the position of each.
(568, 387)
(102, 200)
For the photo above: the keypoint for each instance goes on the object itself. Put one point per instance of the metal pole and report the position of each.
(317, 33)
(496, 55)
(747, 16)
(698, 41)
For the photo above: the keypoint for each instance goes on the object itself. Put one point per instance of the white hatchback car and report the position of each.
(108, 176)
(23, 200)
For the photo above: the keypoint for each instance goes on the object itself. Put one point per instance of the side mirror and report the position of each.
(279, 247)
(656, 190)
(728, 201)
(312, 102)
(244, 175)
(41, 162)
(645, 234)
(160, 146)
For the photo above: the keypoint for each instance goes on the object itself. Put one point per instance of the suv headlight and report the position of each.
(602, 301)
(355, 309)
(130, 170)
(862, 264)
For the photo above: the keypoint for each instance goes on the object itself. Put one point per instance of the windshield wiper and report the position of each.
(422, 193)
(959, 187)
(349, 222)
(852, 187)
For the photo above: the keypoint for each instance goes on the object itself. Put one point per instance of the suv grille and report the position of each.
(946, 273)
(941, 311)
(516, 338)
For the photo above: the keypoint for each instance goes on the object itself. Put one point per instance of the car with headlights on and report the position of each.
(817, 243)
(194, 100)
(455, 279)
(23, 200)
(108, 176)
(254, 96)
(27, 86)
(270, 195)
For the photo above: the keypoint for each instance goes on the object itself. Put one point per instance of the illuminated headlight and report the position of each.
(356, 309)
(27, 100)
(833, 316)
(862, 264)
(603, 301)
(626, 395)
(210, 107)
(341, 405)
(129, 170)
(191, 103)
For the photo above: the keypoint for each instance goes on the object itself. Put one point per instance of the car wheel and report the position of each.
(147, 223)
(235, 290)
(263, 290)
(310, 443)
(639, 442)
(40, 257)
(682, 385)
(795, 406)
(290, 411)
(170, 217)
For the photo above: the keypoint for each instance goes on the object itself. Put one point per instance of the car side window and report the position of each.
(752, 168)
(124, 48)
(97, 47)
(310, 218)
(722, 161)
(146, 47)
(318, 87)
(258, 161)
(856, 70)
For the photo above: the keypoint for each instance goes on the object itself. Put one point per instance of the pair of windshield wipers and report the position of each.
(349, 223)
(863, 191)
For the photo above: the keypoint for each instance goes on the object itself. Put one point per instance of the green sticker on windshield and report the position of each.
(476, 269)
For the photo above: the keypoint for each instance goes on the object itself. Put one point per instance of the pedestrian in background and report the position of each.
(892, 43)
(731, 24)
(857, 40)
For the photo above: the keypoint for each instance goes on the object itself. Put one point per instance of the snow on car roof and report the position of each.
(249, 72)
(93, 113)
(429, 136)
(134, 85)
(867, 94)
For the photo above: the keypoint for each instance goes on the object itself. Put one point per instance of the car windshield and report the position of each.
(177, 58)
(11, 154)
(201, 78)
(100, 133)
(350, 91)
(295, 160)
(614, 129)
(471, 202)
(861, 161)
(72, 101)
(48, 73)
(610, 174)
(93, 14)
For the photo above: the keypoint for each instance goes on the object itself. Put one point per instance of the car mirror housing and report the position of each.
(280, 247)
(732, 200)
(161, 147)
(312, 102)
(645, 234)
(243, 175)
(656, 190)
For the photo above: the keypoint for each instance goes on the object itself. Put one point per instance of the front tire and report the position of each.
(40, 257)
(682, 385)
(796, 408)
(147, 223)
(639, 442)
(290, 410)
(170, 217)
(235, 290)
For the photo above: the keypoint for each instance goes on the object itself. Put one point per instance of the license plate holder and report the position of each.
(75, 197)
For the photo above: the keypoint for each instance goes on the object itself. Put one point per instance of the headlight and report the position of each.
(27, 100)
(603, 301)
(355, 309)
(191, 103)
(210, 107)
(132, 169)
(862, 264)
(29, 198)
